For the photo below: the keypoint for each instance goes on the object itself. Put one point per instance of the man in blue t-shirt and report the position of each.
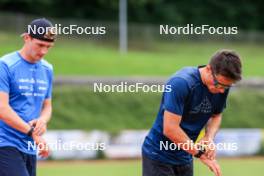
(195, 97)
(25, 101)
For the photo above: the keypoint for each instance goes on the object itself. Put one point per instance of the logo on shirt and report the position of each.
(204, 107)
(32, 87)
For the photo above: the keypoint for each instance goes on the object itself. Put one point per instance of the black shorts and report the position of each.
(16, 163)
(156, 168)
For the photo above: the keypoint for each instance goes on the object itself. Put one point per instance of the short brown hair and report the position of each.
(226, 63)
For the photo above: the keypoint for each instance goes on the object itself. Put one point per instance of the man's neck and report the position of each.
(25, 56)
(203, 74)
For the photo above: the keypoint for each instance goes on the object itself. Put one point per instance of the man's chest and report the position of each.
(29, 82)
(201, 102)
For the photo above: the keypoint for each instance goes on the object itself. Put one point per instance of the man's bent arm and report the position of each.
(213, 126)
(173, 131)
(46, 111)
(10, 117)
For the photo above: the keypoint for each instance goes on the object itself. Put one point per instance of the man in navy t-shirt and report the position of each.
(25, 101)
(196, 98)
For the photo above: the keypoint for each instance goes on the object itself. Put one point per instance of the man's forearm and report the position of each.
(10, 117)
(179, 137)
(213, 126)
(46, 112)
(173, 131)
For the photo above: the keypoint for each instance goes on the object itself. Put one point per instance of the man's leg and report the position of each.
(12, 162)
(156, 168)
(184, 170)
(31, 163)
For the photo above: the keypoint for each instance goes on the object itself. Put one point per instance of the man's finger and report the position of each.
(40, 132)
(211, 155)
(39, 125)
(39, 129)
(36, 130)
(213, 169)
(218, 169)
(44, 154)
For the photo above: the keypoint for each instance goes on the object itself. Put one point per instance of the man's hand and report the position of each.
(42, 146)
(210, 147)
(40, 126)
(212, 164)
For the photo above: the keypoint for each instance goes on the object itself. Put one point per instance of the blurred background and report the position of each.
(132, 50)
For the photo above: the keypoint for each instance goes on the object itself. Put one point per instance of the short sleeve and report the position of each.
(222, 105)
(49, 92)
(4, 78)
(175, 98)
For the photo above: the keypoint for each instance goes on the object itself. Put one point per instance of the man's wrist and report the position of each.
(199, 153)
(209, 136)
(30, 132)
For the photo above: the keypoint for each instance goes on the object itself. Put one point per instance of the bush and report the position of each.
(80, 108)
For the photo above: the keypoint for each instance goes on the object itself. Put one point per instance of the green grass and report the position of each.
(81, 57)
(110, 168)
(230, 167)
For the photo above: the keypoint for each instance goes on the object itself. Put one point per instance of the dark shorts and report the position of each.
(16, 163)
(156, 168)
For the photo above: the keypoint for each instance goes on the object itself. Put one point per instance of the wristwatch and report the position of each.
(200, 153)
(29, 133)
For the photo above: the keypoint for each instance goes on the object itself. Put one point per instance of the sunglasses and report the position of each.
(217, 84)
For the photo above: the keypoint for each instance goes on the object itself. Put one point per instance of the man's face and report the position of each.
(219, 83)
(37, 49)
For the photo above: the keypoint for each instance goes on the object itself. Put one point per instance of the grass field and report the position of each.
(230, 167)
(81, 57)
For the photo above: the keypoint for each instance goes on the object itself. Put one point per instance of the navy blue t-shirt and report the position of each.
(191, 99)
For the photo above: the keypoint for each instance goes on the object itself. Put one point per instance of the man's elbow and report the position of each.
(171, 125)
(3, 109)
(169, 131)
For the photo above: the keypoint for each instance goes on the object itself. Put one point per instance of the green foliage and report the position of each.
(79, 107)
(244, 14)
(244, 109)
(82, 108)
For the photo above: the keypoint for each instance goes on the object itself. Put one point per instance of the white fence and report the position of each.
(76, 144)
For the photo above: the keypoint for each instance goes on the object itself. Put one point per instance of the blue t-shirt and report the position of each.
(191, 99)
(28, 85)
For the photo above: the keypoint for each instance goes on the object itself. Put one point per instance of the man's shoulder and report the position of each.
(46, 64)
(187, 72)
(188, 75)
(10, 59)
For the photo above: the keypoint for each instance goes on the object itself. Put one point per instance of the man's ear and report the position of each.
(208, 68)
(26, 37)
